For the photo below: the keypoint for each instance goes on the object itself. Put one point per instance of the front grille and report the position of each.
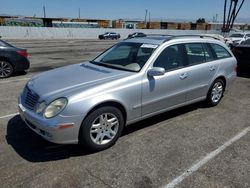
(30, 98)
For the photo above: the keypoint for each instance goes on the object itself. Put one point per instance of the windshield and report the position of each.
(237, 35)
(126, 56)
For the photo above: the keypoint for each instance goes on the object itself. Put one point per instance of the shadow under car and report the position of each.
(34, 148)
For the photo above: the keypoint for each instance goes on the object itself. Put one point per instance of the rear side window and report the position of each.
(196, 53)
(220, 51)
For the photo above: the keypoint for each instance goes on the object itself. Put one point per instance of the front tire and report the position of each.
(101, 128)
(216, 92)
(6, 69)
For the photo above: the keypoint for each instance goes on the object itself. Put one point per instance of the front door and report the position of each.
(162, 92)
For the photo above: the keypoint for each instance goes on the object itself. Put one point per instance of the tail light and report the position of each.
(23, 53)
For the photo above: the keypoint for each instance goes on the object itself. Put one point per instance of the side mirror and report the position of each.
(156, 71)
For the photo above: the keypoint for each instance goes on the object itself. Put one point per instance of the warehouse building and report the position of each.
(102, 23)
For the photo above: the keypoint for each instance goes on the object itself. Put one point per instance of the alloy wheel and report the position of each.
(104, 128)
(217, 92)
(5, 69)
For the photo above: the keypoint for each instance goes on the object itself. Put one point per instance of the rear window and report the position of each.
(220, 51)
(5, 44)
(2, 43)
(237, 35)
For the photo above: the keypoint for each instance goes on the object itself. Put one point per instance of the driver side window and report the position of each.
(170, 58)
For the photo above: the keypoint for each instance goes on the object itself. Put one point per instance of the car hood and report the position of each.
(65, 81)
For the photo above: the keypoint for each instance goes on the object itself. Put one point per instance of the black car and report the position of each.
(109, 35)
(242, 54)
(12, 59)
(137, 34)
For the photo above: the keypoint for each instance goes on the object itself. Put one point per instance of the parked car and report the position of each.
(12, 59)
(236, 39)
(242, 54)
(109, 35)
(136, 34)
(133, 80)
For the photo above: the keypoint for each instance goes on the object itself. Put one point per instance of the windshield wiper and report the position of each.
(110, 66)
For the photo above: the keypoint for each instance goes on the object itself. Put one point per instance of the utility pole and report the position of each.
(231, 15)
(146, 14)
(44, 12)
(149, 18)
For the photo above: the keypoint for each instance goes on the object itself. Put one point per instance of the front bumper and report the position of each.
(50, 129)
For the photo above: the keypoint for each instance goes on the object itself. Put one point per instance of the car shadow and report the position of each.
(21, 73)
(163, 117)
(33, 148)
(244, 73)
(41, 69)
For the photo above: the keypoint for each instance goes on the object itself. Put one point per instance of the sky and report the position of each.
(116, 9)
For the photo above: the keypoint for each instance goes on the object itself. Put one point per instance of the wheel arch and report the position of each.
(115, 104)
(111, 103)
(6, 59)
(223, 79)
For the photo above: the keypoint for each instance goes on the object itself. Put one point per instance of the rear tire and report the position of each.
(216, 92)
(6, 69)
(101, 128)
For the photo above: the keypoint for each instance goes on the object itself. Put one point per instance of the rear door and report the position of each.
(201, 70)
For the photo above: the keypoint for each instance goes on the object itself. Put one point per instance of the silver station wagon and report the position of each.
(91, 102)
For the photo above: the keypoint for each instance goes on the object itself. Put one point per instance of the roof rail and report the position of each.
(182, 36)
(200, 36)
(160, 35)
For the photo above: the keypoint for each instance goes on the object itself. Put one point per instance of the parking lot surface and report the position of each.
(194, 146)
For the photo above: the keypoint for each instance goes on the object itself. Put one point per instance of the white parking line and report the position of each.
(17, 80)
(10, 115)
(206, 159)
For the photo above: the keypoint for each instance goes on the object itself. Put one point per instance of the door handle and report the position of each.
(212, 68)
(183, 76)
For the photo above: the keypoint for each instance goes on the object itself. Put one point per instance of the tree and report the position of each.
(201, 20)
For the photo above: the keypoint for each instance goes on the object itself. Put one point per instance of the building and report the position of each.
(120, 23)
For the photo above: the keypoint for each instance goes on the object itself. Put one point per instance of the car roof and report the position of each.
(150, 39)
(160, 39)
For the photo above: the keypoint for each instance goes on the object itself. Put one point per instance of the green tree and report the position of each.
(201, 20)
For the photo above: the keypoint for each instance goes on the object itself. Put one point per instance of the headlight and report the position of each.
(40, 107)
(55, 107)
